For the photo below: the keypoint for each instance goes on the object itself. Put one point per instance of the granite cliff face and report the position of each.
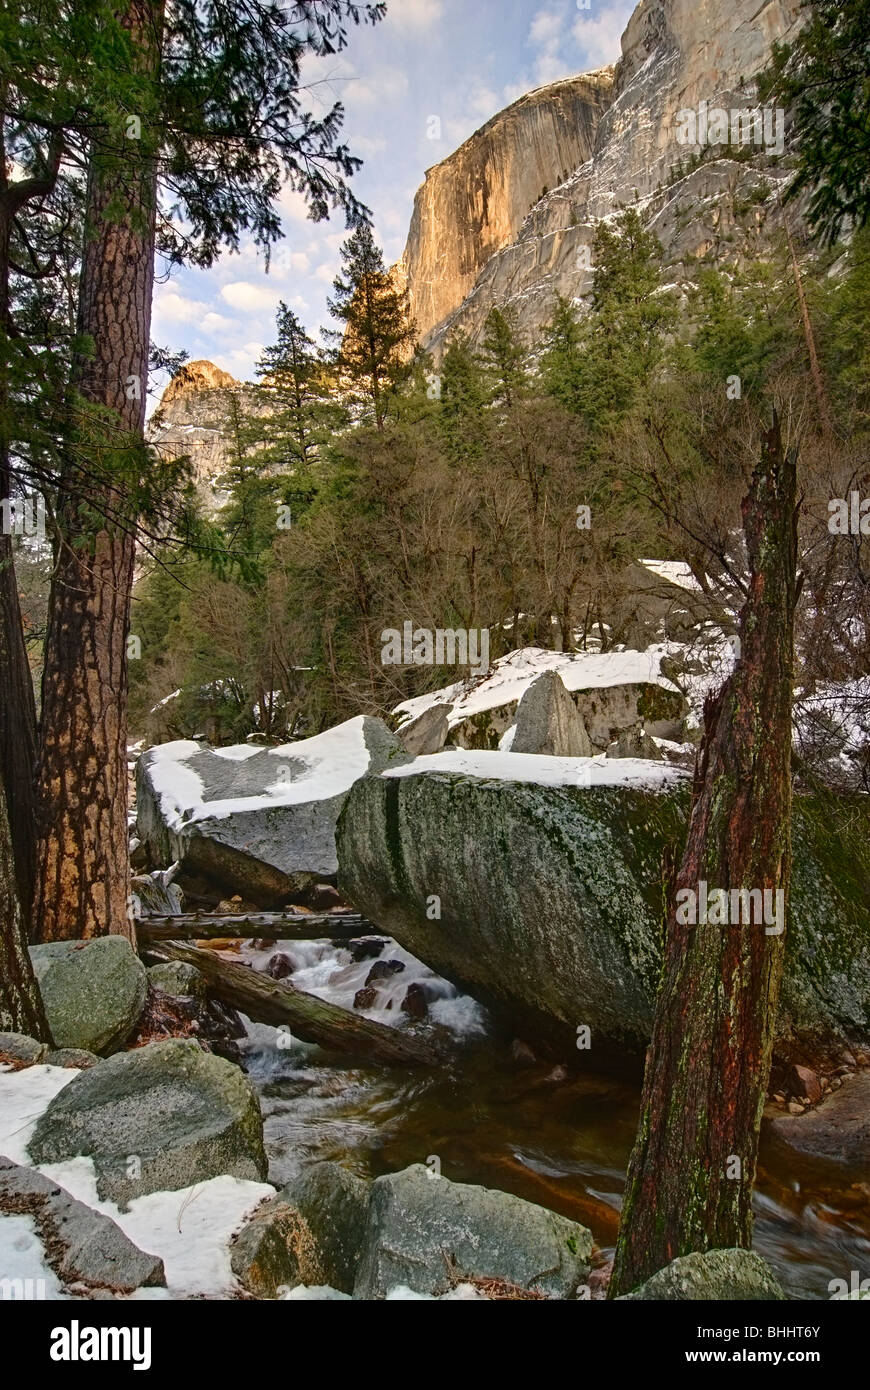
(474, 240)
(473, 204)
(193, 419)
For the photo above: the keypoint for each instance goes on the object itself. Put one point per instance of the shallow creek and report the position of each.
(560, 1138)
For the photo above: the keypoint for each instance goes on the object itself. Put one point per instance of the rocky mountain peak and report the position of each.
(200, 375)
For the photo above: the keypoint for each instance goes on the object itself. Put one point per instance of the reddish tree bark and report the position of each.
(83, 870)
(692, 1171)
(21, 1007)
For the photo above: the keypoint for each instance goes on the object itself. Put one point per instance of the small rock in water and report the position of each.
(365, 998)
(280, 966)
(522, 1054)
(805, 1084)
(366, 948)
(383, 969)
(795, 1108)
(414, 1003)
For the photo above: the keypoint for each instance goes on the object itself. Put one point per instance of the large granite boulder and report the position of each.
(84, 1247)
(735, 1274)
(611, 692)
(93, 991)
(258, 820)
(428, 1233)
(549, 875)
(164, 1116)
(310, 1234)
(548, 721)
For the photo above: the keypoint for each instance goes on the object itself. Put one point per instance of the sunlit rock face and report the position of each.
(484, 231)
(473, 204)
(194, 420)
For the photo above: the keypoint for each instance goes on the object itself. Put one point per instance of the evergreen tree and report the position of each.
(191, 124)
(823, 77)
(372, 353)
(504, 357)
(295, 383)
(464, 401)
(619, 343)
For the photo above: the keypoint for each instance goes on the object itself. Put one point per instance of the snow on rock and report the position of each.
(510, 677)
(673, 572)
(189, 1229)
(258, 820)
(545, 770)
(613, 691)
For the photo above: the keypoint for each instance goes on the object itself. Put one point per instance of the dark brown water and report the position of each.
(558, 1138)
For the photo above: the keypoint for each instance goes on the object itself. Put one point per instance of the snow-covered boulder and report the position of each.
(258, 820)
(535, 884)
(84, 1248)
(612, 691)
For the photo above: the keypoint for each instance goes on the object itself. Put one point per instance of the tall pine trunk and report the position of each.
(21, 1008)
(17, 702)
(692, 1171)
(83, 870)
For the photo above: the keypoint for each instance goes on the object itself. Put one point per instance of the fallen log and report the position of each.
(303, 926)
(311, 1019)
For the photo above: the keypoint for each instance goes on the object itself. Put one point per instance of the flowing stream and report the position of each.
(557, 1136)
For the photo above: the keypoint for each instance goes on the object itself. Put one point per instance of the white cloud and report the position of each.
(546, 27)
(599, 38)
(415, 14)
(217, 323)
(174, 307)
(242, 295)
(381, 86)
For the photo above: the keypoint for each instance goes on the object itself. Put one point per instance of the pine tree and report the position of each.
(172, 165)
(504, 357)
(373, 352)
(464, 400)
(823, 79)
(294, 382)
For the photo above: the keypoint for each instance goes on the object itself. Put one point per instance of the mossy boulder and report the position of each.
(428, 1233)
(552, 896)
(162, 1117)
(735, 1274)
(93, 991)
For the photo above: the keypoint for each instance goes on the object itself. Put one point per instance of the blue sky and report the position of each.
(458, 60)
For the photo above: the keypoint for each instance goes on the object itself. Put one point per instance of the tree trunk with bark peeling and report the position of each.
(692, 1171)
(83, 872)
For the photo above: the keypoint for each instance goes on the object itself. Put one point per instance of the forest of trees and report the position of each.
(451, 498)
